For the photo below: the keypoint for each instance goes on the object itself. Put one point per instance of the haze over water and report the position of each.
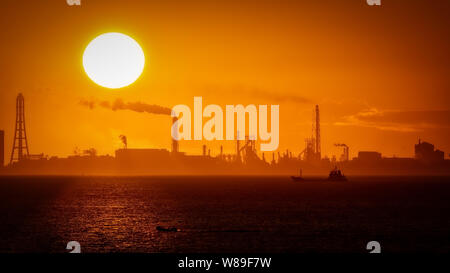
(223, 214)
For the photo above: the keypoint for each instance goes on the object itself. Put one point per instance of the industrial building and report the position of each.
(425, 152)
(369, 156)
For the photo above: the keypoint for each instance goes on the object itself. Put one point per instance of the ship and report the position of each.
(299, 177)
(167, 229)
(336, 175)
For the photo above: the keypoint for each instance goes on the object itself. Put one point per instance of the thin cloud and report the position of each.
(252, 92)
(398, 120)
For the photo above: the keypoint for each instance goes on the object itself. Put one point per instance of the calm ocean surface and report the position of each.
(224, 214)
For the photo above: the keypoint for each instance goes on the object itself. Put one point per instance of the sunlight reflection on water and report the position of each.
(234, 214)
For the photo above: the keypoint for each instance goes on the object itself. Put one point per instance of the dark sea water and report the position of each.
(224, 214)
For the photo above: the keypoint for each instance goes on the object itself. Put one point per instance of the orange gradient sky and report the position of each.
(379, 74)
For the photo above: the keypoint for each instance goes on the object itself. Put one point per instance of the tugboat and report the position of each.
(336, 175)
(298, 178)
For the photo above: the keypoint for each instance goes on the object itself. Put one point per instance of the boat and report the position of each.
(336, 175)
(167, 229)
(299, 177)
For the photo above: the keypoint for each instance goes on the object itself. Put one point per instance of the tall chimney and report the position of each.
(318, 150)
(238, 148)
(175, 147)
(2, 149)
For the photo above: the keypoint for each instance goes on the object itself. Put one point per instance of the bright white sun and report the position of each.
(113, 60)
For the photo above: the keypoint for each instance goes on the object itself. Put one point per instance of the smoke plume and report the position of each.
(124, 140)
(119, 104)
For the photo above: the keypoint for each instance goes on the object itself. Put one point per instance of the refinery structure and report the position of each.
(245, 159)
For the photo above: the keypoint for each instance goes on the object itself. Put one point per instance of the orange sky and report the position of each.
(379, 74)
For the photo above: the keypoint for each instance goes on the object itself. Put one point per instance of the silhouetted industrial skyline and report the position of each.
(245, 159)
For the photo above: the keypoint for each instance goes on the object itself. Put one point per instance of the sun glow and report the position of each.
(113, 60)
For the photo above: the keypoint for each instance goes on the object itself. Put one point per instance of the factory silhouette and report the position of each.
(245, 160)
